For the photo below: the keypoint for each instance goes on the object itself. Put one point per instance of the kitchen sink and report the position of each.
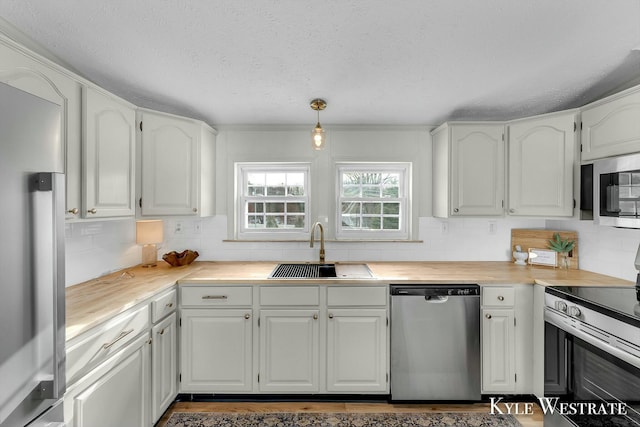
(321, 270)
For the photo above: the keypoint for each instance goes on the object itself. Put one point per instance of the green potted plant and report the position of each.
(562, 247)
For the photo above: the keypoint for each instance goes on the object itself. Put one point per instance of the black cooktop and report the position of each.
(621, 303)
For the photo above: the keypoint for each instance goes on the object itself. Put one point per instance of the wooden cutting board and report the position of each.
(539, 239)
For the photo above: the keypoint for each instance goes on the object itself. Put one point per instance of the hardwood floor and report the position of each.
(535, 420)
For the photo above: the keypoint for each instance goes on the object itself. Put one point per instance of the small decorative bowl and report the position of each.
(176, 259)
(520, 257)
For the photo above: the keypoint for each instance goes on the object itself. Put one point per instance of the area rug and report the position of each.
(303, 419)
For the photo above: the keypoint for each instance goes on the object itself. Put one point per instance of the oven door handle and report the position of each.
(565, 323)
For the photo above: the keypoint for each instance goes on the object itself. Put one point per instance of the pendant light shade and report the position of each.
(318, 137)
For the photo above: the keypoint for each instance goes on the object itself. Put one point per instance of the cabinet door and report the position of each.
(289, 350)
(498, 352)
(477, 170)
(357, 350)
(541, 161)
(109, 144)
(164, 366)
(116, 393)
(216, 350)
(170, 172)
(611, 128)
(32, 76)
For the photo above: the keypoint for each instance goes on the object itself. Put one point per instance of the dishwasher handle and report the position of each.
(437, 299)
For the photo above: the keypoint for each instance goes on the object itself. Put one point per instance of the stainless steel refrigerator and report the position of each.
(32, 305)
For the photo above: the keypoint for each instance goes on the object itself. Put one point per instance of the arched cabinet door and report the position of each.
(542, 151)
(178, 159)
(27, 73)
(108, 154)
(610, 127)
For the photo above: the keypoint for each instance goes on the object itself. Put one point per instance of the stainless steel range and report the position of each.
(592, 355)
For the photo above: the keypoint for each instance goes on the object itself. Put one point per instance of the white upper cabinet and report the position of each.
(23, 71)
(108, 154)
(178, 156)
(468, 169)
(542, 151)
(611, 126)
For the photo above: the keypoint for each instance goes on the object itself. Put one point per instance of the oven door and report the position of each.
(584, 367)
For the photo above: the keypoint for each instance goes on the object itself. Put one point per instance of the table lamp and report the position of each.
(148, 234)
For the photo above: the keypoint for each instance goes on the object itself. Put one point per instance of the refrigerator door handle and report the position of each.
(54, 183)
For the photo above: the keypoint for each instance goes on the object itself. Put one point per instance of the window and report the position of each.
(273, 198)
(373, 200)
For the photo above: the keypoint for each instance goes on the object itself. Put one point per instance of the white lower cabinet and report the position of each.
(304, 339)
(498, 350)
(356, 350)
(507, 346)
(216, 349)
(164, 366)
(116, 393)
(289, 351)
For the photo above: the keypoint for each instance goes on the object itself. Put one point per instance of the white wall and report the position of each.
(605, 250)
(464, 239)
(97, 248)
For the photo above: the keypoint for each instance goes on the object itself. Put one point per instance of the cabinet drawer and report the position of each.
(498, 296)
(356, 296)
(216, 296)
(163, 305)
(290, 295)
(93, 347)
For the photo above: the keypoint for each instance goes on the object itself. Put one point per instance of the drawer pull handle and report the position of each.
(247, 316)
(123, 334)
(214, 297)
(500, 298)
(169, 305)
(488, 316)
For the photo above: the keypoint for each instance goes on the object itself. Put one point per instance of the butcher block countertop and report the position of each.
(95, 301)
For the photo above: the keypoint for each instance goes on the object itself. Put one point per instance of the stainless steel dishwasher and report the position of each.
(435, 342)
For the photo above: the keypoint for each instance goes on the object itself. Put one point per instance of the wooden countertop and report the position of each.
(95, 301)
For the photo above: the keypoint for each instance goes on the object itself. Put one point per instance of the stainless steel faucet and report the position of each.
(313, 231)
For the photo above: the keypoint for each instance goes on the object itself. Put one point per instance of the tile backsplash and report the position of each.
(97, 248)
(605, 250)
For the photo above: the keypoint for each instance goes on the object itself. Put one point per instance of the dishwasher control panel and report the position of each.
(435, 290)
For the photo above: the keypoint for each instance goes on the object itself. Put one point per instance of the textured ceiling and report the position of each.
(385, 62)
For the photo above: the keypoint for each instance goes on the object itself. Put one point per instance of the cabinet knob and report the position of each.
(161, 332)
(315, 317)
(195, 209)
(500, 298)
(73, 211)
(92, 211)
(456, 210)
(247, 316)
(330, 315)
(488, 316)
(169, 305)
(512, 210)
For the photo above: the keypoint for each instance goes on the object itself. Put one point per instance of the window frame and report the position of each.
(404, 199)
(242, 198)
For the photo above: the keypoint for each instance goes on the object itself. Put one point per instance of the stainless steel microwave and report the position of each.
(616, 191)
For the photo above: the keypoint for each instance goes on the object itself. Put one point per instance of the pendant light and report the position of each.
(317, 134)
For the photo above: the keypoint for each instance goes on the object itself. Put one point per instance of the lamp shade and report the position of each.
(149, 232)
